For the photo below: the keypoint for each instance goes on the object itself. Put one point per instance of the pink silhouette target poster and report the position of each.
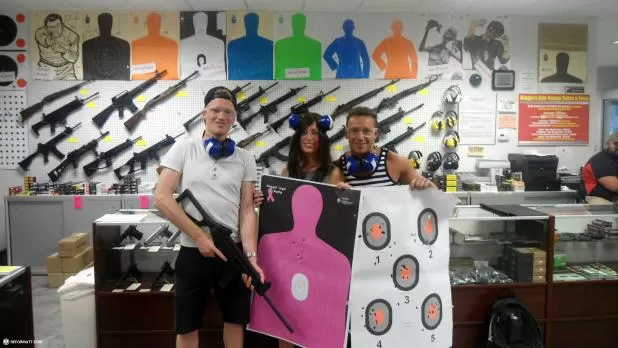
(305, 247)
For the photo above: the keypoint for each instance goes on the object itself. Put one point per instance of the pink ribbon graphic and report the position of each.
(270, 197)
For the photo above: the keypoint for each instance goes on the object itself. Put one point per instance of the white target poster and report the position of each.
(400, 290)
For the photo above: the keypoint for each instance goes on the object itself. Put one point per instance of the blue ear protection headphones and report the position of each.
(366, 164)
(218, 149)
(325, 123)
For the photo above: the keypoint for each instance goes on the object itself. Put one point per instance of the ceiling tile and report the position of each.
(395, 6)
(448, 6)
(179, 5)
(216, 5)
(332, 6)
(110, 5)
(274, 5)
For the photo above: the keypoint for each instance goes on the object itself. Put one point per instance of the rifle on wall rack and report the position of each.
(107, 156)
(390, 102)
(48, 147)
(74, 156)
(302, 108)
(405, 135)
(343, 108)
(274, 152)
(60, 115)
(124, 100)
(384, 126)
(244, 104)
(271, 107)
(142, 157)
(36, 107)
(248, 140)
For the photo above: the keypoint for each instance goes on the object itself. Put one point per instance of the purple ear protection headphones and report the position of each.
(325, 122)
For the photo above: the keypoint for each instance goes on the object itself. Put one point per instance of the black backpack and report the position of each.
(512, 325)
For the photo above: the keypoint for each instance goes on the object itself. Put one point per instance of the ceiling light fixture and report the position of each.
(616, 42)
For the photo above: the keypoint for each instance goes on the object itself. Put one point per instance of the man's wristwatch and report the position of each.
(251, 254)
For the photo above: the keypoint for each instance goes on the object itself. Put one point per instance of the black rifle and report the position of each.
(244, 105)
(302, 108)
(34, 108)
(125, 100)
(221, 236)
(343, 108)
(152, 152)
(74, 156)
(337, 136)
(49, 146)
(405, 135)
(248, 140)
(271, 107)
(274, 152)
(168, 93)
(60, 115)
(390, 102)
(188, 123)
(108, 156)
(384, 126)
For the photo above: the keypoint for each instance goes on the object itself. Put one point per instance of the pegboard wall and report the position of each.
(13, 134)
(168, 118)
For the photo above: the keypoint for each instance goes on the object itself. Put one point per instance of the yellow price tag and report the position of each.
(260, 143)
(263, 101)
(241, 96)
(419, 139)
(302, 99)
(423, 91)
(8, 269)
(107, 139)
(330, 98)
(182, 94)
(408, 120)
(91, 105)
(83, 91)
(72, 140)
(338, 147)
(392, 88)
(141, 143)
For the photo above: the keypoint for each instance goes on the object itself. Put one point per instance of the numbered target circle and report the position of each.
(378, 317)
(428, 226)
(376, 231)
(405, 272)
(431, 312)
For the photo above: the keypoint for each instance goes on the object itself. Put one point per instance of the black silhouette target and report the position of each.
(376, 231)
(428, 226)
(405, 272)
(7, 64)
(431, 314)
(378, 317)
(8, 30)
(109, 60)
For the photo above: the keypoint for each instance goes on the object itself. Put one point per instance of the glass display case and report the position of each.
(489, 248)
(586, 241)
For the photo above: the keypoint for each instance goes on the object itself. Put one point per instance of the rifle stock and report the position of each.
(221, 236)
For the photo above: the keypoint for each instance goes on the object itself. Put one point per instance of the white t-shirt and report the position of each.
(215, 184)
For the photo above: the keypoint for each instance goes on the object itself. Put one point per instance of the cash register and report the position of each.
(539, 172)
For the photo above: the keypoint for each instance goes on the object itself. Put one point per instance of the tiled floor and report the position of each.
(47, 317)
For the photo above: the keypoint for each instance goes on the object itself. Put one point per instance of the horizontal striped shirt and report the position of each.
(379, 177)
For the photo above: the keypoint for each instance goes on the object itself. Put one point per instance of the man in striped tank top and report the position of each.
(366, 164)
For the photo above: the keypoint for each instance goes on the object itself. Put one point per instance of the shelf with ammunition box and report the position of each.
(583, 305)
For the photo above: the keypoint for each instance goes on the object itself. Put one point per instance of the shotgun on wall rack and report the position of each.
(124, 100)
(343, 108)
(390, 102)
(168, 93)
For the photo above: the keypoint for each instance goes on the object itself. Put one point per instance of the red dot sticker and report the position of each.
(21, 42)
(21, 58)
(21, 83)
(20, 18)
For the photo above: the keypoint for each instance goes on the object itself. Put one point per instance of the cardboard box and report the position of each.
(72, 245)
(55, 280)
(78, 262)
(54, 264)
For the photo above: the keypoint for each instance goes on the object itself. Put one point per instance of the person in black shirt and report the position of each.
(600, 174)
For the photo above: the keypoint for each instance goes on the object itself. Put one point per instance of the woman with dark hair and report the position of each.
(309, 158)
